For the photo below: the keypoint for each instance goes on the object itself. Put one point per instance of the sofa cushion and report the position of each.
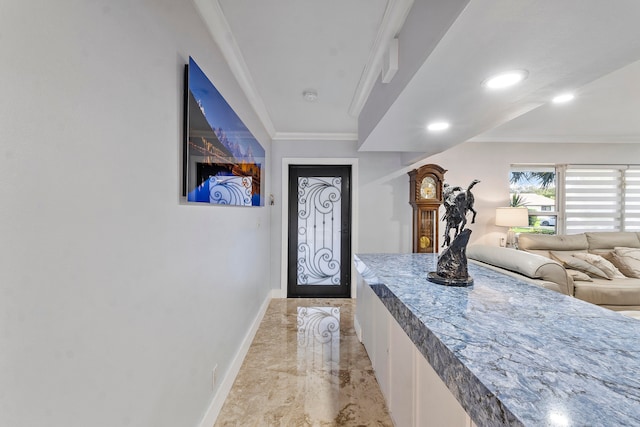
(627, 260)
(568, 261)
(530, 265)
(578, 275)
(616, 292)
(604, 241)
(541, 244)
(596, 260)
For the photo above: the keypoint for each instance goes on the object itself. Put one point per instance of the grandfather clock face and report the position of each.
(428, 188)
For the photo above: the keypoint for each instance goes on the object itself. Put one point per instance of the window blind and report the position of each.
(631, 213)
(594, 199)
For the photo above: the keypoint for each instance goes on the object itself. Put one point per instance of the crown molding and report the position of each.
(394, 16)
(314, 136)
(215, 21)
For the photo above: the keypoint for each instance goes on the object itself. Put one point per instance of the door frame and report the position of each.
(284, 244)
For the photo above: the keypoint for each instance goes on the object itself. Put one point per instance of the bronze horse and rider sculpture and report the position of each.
(457, 203)
(452, 262)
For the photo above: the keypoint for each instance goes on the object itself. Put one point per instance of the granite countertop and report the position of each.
(513, 353)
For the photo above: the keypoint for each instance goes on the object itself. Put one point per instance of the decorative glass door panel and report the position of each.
(319, 231)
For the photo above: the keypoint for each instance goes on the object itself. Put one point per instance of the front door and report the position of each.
(319, 260)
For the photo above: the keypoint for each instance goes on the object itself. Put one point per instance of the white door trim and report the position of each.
(353, 162)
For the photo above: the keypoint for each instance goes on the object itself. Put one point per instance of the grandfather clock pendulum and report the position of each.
(426, 197)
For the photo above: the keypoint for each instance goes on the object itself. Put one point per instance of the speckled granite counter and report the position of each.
(513, 353)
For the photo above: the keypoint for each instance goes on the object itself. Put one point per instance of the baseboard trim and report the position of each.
(358, 328)
(215, 406)
(278, 293)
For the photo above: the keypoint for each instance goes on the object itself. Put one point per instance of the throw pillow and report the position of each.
(571, 262)
(609, 269)
(579, 276)
(627, 260)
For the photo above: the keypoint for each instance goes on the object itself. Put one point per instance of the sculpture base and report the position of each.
(461, 283)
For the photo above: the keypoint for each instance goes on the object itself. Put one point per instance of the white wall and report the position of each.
(116, 300)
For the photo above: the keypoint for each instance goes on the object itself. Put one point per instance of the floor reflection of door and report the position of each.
(319, 231)
(318, 339)
(319, 359)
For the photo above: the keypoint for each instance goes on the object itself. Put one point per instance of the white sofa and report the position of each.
(558, 262)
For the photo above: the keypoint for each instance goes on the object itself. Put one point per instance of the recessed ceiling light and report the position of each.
(561, 99)
(438, 126)
(504, 80)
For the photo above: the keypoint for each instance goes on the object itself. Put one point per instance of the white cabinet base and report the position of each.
(415, 395)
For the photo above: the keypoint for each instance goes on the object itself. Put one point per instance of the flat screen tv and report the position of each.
(222, 160)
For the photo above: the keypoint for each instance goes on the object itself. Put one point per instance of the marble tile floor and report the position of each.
(306, 367)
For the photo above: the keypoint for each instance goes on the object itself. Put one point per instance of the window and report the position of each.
(577, 198)
(534, 187)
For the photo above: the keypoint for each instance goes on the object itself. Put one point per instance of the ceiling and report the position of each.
(279, 49)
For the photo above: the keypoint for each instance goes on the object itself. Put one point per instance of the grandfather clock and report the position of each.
(426, 197)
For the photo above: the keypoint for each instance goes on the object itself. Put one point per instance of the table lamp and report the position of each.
(512, 217)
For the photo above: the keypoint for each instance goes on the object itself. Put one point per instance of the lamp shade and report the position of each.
(512, 217)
